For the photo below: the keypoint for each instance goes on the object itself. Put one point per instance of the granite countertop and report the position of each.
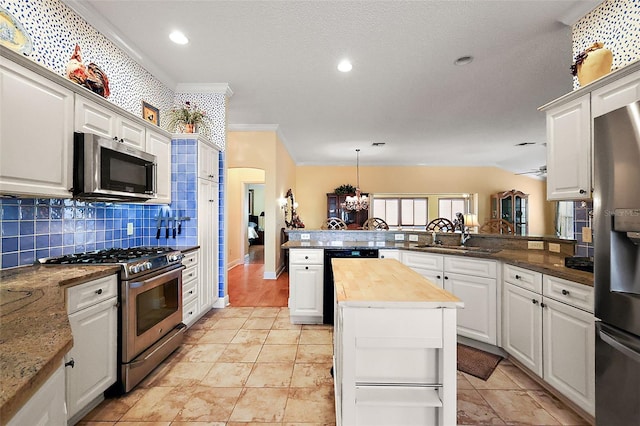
(35, 333)
(387, 282)
(537, 260)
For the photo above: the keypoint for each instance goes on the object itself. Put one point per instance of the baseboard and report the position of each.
(270, 275)
(221, 302)
(233, 264)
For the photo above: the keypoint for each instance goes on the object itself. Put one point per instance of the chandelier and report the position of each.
(359, 202)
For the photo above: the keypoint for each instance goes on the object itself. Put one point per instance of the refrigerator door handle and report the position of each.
(616, 344)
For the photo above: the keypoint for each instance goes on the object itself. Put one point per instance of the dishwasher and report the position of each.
(328, 299)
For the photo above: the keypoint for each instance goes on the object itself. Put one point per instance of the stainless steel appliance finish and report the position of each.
(150, 313)
(109, 170)
(617, 265)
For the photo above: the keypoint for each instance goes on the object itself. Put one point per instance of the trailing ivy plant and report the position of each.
(345, 189)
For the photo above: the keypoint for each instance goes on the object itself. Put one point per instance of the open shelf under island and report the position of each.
(394, 346)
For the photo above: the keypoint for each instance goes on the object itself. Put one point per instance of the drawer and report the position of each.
(189, 311)
(190, 258)
(524, 278)
(306, 256)
(574, 294)
(189, 291)
(84, 295)
(466, 266)
(423, 260)
(397, 405)
(190, 274)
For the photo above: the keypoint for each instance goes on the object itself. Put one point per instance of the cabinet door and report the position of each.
(208, 241)
(46, 406)
(160, 146)
(207, 162)
(131, 133)
(616, 95)
(522, 332)
(390, 254)
(36, 155)
(569, 151)
(477, 320)
(569, 352)
(305, 283)
(94, 353)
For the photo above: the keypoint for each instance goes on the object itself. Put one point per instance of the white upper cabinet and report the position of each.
(160, 146)
(93, 118)
(207, 162)
(616, 95)
(569, 150)
(36, 134)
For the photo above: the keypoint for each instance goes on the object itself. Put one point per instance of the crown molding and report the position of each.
(104, 27)
(253, 127)
(221, 88)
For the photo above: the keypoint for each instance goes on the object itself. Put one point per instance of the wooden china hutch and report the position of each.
(353, 219)
(511, 206)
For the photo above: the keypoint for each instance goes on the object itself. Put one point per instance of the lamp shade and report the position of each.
(471, 220)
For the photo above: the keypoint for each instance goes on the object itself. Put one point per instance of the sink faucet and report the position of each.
(464, 230)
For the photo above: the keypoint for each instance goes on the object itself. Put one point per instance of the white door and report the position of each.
(569, 352)
(94, 352)
(306, 289)
(477, 320)
(522, 320)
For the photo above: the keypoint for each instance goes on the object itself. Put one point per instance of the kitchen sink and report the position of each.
(457, 248)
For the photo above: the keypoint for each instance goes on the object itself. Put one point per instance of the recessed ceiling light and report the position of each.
(345, 66)
(463, 60)
(178, 37)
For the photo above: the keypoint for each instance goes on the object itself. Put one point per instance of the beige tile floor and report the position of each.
(251, 366)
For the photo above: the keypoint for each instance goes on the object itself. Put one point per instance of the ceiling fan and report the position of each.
(540, 171)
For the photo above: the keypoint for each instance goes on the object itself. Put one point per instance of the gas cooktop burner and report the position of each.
(135, 260)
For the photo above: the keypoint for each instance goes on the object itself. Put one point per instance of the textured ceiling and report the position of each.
(280, 58)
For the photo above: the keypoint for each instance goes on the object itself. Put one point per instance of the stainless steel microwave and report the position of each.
(110, 170)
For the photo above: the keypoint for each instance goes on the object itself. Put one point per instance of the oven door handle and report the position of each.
(180, 328)
(137, 284)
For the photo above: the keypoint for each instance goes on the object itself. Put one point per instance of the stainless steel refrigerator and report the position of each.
(616, 201)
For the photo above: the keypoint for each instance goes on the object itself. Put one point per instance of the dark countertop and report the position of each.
(35, 333)
(536, 260)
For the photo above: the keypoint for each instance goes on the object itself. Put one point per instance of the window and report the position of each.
(448, 207)
(564, 219)
(401, 211)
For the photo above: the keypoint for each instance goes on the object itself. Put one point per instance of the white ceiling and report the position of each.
(280, 58)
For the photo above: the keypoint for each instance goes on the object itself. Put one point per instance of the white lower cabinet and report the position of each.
(46, 407)
(306, 274)
(430, 266)
(191, 288)
(390, 254)
(92, 362)
(549, 327)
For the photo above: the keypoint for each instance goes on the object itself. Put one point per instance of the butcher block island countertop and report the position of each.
(394, 346)
(386, 281)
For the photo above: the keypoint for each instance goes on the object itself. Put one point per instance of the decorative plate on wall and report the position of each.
(13, 34)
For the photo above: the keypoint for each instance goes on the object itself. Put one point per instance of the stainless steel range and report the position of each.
(150, 313)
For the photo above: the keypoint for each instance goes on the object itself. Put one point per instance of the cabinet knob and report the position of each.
(71, 363)
(306, 257)
(534, 301)
(582, 191)
(99, 291)
(190, 291)
(381, 256)
(438, 276)
(542, 305)
(518, 277)
(306, 267)
(446, 277)
(565, 292)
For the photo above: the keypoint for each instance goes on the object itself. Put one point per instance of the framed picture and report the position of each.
(150, 113)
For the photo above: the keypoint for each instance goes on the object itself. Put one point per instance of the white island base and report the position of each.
(394, 346)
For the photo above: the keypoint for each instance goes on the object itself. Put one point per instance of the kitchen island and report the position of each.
(394, 345)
